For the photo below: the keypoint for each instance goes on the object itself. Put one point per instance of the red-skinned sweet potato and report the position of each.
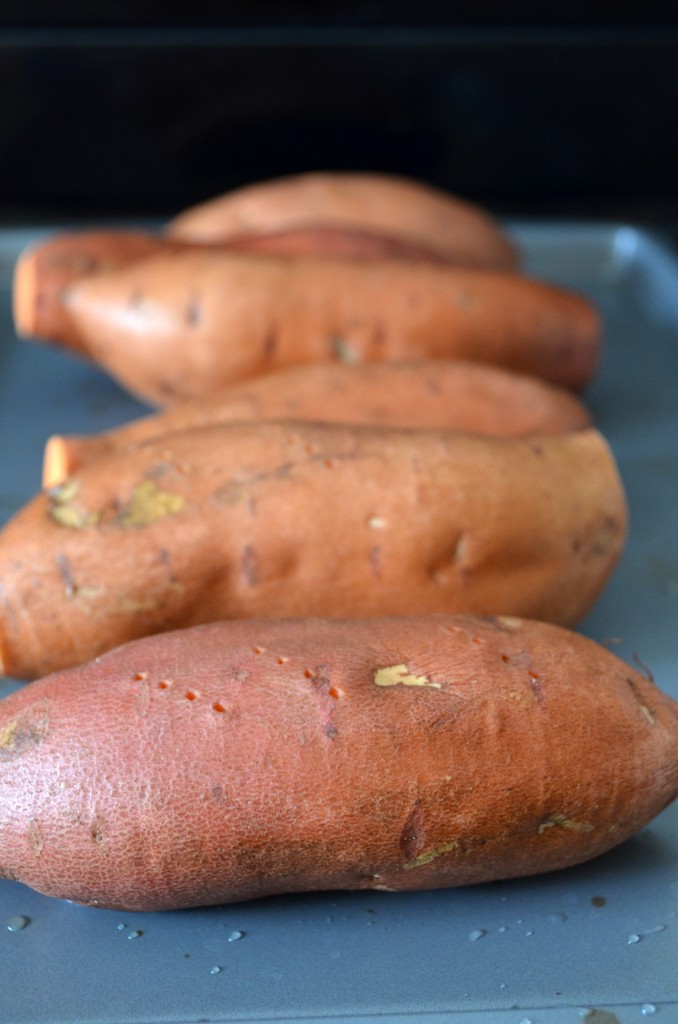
(183, 324)
(278, 519)
(426, 394)
(238, 760)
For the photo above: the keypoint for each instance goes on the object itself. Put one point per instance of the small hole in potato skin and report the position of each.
(140, 676)
(308, 673)
(162, 685)
(335, 692)
(190, 695)
(281, 661)
(258, 650)
(505, 658)
(218, 707)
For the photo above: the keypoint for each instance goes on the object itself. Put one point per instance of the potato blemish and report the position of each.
(508, 623)
(249, 565)
(65, 511)
(426, 858)
(7, 734)
(149, 504)
(23, 733)
(400, 675)
(562, 821)
(344, 352)
(646, 712)
(35, 837)
(98, 837)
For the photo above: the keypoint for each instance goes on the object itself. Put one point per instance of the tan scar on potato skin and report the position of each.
(400, 675)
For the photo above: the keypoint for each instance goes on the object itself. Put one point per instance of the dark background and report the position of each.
(138, 108)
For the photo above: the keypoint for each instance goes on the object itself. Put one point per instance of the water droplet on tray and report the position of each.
(476, 934)
(655, 931)
(18, 922)
(216, 970)
(502, 929)
(121, 927)
(234, 936)
(559, 918)
(647, 1009)
(136, 934)
(633, 939)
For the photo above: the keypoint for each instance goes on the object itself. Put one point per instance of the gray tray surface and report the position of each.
(598, 942)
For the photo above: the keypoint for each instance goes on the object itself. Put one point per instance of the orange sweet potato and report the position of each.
(186, 323)
(45, 271)
(350, 204)
(283, 519)
(443, 394)
(359, 217)
(243, 759)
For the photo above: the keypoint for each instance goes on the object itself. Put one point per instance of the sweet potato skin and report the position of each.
(371, 203)
(238, 760)
(276, 519)
(347, 243)
(425, 394)
(184, 324)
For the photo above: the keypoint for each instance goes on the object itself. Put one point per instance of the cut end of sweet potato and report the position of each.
(25, 296)
(66, 454)
(40, 296)
(57, 463)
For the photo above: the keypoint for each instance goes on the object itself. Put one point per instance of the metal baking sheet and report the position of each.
(598, 939)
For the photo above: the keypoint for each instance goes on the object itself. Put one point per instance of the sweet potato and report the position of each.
(45, 271)
(355, 216)
(239, 760)
(426, 394)
(283, 519)
(183, 324)
(358, 203)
